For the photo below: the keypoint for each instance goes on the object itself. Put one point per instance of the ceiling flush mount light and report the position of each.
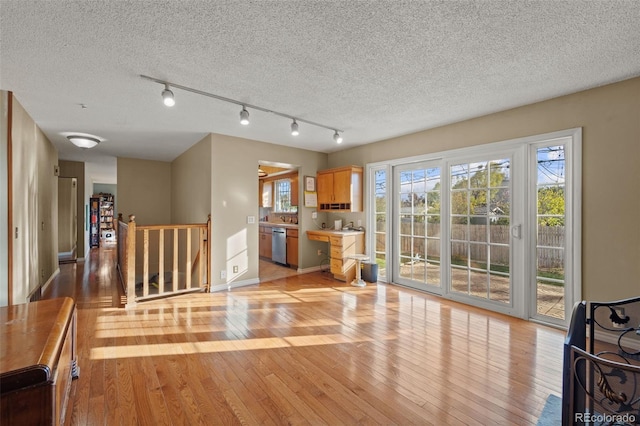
(83, 141)
(167, 96)
(244, 116)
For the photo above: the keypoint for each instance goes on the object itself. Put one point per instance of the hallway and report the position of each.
(304, 349)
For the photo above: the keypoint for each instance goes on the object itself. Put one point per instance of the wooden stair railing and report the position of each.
(139, 280)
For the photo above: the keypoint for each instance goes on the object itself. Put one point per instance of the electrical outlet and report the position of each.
(359, 222)
(319, 252)
(314, 215)
(235, 269)
(223, 274)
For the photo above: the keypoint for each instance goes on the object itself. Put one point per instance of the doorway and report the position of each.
(67, 220)
(278, 195)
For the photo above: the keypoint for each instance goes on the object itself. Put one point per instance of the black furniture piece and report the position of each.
(601, 375)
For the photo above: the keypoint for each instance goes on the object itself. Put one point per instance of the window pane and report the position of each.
(459, 202)
(550, 291)
(478, 175)
(478, 229)
(499, 232)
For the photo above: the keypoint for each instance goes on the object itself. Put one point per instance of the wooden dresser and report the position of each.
(37, 361)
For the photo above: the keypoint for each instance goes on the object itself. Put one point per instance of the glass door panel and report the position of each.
(550, 235)
(417, 209)
(380, 180)
(480, 235)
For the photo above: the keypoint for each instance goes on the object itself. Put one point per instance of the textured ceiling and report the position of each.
(376, 69)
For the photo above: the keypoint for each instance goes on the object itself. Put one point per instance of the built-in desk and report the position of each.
(37, 361)
(341, 245)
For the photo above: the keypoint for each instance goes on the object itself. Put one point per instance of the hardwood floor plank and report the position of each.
(303, 349)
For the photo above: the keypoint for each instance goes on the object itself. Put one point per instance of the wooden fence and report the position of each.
(551, 241)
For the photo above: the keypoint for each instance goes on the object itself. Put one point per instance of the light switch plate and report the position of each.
(251, 219)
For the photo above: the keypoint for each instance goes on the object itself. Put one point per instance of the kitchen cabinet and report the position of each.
(294, 190)
(264, 245)
(292, 247)
(340, 189)
(341, 245)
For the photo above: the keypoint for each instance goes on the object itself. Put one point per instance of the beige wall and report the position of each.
(610, 119)
(234, 196)
(191, 184)
(35, 212)
(67, 200)
(4, 200)
(76, 169)
(144, 190)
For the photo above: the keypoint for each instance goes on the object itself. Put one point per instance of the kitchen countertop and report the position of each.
(330, 232)
(280, 225)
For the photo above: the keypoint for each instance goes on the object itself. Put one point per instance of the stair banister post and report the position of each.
(131, 263)
(207, 258)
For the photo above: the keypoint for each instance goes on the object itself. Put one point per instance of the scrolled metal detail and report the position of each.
(608, 392)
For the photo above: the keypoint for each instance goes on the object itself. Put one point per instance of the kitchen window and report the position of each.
(282, 197)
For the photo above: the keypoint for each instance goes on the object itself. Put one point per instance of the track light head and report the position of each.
(244, 116)
(294, 128)
(167, 96)
(337, 137)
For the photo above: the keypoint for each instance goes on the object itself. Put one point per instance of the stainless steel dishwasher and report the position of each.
(279, 245)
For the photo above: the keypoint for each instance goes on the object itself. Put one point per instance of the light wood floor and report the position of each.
(301, 350)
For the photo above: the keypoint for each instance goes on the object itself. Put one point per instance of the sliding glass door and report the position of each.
(496, 226)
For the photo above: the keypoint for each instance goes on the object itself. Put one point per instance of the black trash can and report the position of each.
(370, 272)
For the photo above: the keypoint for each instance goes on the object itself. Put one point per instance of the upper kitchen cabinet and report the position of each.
(294, 189)
(340, 189)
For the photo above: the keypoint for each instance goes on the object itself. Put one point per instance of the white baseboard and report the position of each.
(48, 282)
(633, 344)
(233, 284)
(307, 270)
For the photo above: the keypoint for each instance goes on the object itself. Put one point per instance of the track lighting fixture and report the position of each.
(244, 116)
(167, 96)
(83, 141)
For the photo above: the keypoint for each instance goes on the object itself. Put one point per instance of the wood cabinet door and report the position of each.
(294, 190)
(324, 184)
(292, 251)
(262, 245)
(267, 244)
(342, 186)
